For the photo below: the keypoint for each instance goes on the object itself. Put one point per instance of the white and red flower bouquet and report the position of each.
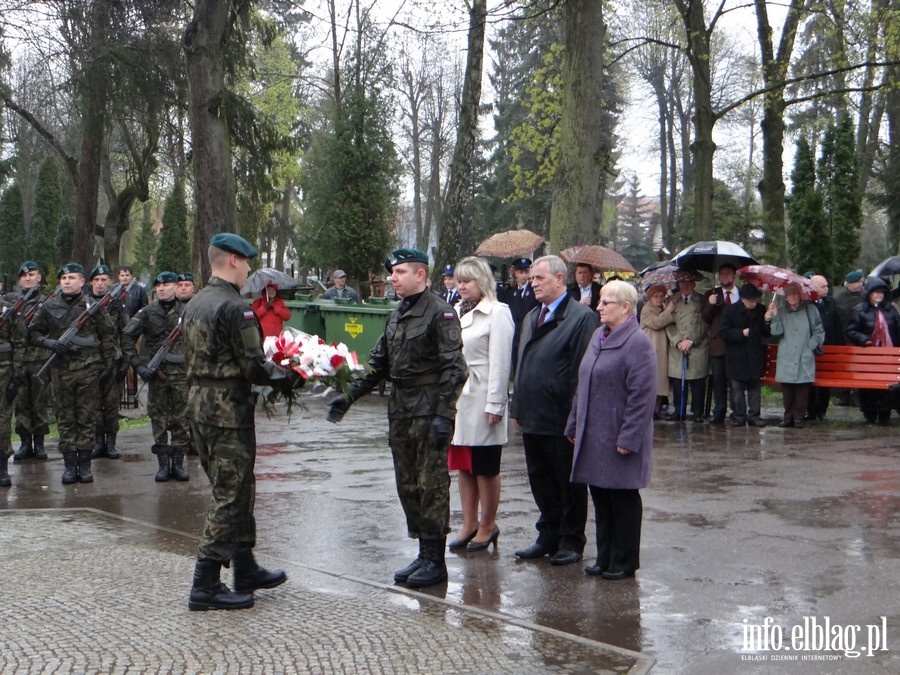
(312, 358)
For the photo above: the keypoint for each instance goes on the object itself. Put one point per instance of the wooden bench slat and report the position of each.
(847, 367)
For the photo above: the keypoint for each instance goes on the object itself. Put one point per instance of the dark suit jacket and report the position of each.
(831, 320)
(575, 292)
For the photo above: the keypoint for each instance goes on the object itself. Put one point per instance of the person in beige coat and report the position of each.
(481, 419)
(688, 350)
(656, 315)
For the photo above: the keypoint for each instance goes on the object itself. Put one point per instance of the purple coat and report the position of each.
(613, 406)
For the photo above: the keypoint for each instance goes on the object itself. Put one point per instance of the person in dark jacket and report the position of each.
(834, 335)
(554, 338)
(742, 327)
(874, 323)
(584, 289)
(717, 301)
(137, 294)
(520, 298)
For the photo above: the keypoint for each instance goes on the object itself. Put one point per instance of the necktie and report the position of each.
(728, 298)
(543, 315)
(685, 300)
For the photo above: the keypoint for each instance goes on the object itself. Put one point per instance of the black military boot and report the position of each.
(176, 469)
(39, 451)
(249, 576)
(192, 448)
(400, 576)
(208, 592)
(25, 450)
(111, 451)
(99, 445)
(70, 474)
(5, 480)
(84, 467)
(433, 570)
(162, 456)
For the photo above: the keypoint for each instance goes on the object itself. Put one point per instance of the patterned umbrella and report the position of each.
(774, 279)
(668, 276)
(598, 257)
(709, 256)
(510, 244)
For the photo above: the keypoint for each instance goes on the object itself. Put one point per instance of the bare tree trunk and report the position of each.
(574, 211)
(459, 186)
(214, 192)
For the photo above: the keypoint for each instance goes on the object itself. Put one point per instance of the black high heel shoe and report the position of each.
(462, 543)
(481, 545)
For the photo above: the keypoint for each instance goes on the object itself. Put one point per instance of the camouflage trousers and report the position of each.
(77, 398)
(228, 457)
(32, 402)
(166, 406)
(108, 410)
(423, 480)
(6, 412)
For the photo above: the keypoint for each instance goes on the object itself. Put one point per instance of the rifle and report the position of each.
(20, 303)
(29, 315)
(71, 333)
(161, 353)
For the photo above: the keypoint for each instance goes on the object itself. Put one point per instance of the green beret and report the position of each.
(855, 275)
(405, 255)
(165, 278)
(98, 270)
(233, 244)
(69, 268)
(28, 266)
(185, 276)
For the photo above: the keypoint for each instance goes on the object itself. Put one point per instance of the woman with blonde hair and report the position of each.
(481, 419)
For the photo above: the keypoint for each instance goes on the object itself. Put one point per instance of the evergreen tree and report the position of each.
(65, 236)
(173, 253)
(48, 211)
(809, 237)
(838, 176)
(12, 232)
(145, 246)
(633, 229)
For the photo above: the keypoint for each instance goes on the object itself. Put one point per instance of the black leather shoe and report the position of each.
(430, 572)
(717, 420)
(534, 551)
(400, 576)
(798, 424)
(617, 574)
(564, 557)
(699, 419)
(208, 592)
(738, 423)
(594, 570)
(756, 423)
(786, 424)
(462, 543)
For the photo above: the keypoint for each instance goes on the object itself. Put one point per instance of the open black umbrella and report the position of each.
(709, 256)
(887, 268)
(263, 277)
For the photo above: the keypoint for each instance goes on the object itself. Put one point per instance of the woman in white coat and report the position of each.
(481, 419)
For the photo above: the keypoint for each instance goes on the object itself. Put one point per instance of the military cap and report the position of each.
(165, 278)
(449, 271)
(98, 270)
(521, 263)
(855, 275)
(28, 266)
(233, 243)
(69, 268)
(810, 274)
(405, 255)
(185, 276)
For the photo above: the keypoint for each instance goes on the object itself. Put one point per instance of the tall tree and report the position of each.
(48, 211)
(173, 253)
(809, 236)
(838, 178)
(12, 231)
(145, 246)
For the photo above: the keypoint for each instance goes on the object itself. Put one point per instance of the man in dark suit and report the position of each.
(834, 335)
(450, 294)
(717, 300)
(520, 298)
(584, 289)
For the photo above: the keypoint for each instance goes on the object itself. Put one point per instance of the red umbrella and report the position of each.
(774, 279)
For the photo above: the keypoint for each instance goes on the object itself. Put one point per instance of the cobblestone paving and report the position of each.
(90, 593)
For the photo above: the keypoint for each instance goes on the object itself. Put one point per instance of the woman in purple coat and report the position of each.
(611, 425)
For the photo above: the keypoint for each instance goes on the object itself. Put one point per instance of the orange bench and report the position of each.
(844, 367)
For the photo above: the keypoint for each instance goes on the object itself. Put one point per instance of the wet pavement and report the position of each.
(749, 535)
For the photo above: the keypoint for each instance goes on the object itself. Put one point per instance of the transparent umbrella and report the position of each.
(263, 277)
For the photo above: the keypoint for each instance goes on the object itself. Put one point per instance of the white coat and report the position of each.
(487, 337)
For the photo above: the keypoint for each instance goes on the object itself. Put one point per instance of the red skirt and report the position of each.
(459, 458)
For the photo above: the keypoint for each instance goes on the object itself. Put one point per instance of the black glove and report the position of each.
(106, 377)
(338, 409)
(440, 432)
(57, 347)
(12, 389)
(144, 373)
(123, 370)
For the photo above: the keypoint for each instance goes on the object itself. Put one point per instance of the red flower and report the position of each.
(337, 361)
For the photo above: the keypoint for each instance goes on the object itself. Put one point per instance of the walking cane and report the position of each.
(684, 364)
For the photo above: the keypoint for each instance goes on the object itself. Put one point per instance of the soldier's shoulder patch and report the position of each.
(249, 314)
(449, 316)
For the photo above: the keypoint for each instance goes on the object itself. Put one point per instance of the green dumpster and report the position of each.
(305, 316)
(357, 326)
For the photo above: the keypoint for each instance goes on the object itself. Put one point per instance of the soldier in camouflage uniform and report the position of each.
(31, 401)
(421, 353)
(224, 357)
(184, 291)
(107, 427)
(78, 368)
(167, 397)
(12, 343)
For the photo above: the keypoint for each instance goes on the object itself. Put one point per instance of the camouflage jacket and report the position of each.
(12, 340)
(97, 337)
(155, 322)
(421, 353)
(117, 315)
(30, 353)
(222, 344)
